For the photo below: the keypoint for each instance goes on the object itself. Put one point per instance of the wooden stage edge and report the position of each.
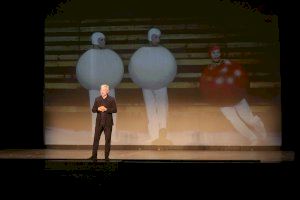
(170, 147)
(236, 154)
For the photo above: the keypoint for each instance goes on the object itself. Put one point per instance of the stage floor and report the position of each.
(176, 155)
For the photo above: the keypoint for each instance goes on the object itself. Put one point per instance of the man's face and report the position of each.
(155, 39)
(104, 91)
(101, 42)
(215, 55)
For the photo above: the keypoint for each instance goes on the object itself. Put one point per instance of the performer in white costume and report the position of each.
(97, 66)
(226, 82)
(153, 67)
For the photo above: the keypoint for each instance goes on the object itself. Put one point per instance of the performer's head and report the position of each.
(104, 90)
(98, 39)
(215, 53)
(154, 36)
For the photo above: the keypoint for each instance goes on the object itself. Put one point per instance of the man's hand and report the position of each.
(102, 108)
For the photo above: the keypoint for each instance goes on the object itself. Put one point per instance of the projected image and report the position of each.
(182, 81)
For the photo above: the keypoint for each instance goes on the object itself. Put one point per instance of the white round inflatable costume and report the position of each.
(153, 68)
(99, 66)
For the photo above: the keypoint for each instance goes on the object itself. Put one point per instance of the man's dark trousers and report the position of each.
(98, 132)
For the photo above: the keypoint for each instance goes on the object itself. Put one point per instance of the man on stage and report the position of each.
(104, 106)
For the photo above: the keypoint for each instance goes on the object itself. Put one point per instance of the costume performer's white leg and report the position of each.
(244, 111)
(92, 95)
(114, 128)
(231, 114)
(151, 109)
(161, 97)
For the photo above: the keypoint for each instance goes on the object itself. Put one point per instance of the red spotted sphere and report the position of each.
(226, 82)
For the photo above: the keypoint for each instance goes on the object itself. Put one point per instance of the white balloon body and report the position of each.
(152, 67)
(99, 66)
(96, 67)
